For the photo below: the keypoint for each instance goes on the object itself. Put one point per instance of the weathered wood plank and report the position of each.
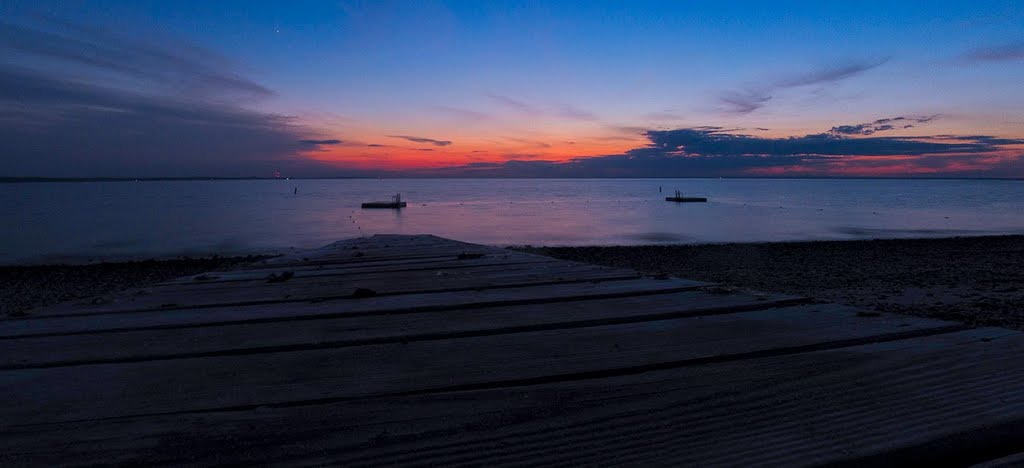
(445, 262)
(252, 338)
(494, 270)
(123, 389)
(853, 403)
(355, 254)
(341, 288)
(396, 304)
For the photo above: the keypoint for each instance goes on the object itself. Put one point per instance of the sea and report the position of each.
(81, 222)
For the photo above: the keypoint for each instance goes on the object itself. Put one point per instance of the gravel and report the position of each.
(975, 280)
(26, 287)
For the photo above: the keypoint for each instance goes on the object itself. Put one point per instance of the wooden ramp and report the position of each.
(417, 350)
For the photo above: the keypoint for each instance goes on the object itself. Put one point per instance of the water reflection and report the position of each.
(110, 219)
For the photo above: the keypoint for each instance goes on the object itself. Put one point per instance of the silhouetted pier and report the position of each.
(418, 350)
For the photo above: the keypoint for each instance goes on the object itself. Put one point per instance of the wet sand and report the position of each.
(976, 280)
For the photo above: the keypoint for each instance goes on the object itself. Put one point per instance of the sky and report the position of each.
(145, 88)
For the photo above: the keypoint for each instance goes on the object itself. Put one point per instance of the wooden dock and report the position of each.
(417, 350)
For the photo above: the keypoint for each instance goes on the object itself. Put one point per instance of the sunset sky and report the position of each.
(147, 88)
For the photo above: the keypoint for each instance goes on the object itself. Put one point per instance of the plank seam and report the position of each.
(549, 379)
(437, 336)
(406, 310)
(424, 266)
(318, 299)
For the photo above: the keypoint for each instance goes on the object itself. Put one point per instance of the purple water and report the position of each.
(82, 221)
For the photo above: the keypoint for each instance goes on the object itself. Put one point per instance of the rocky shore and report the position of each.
(976, 280)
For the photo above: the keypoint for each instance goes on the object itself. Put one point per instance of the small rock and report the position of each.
(469, 256)
(363, 292)
(284, 276)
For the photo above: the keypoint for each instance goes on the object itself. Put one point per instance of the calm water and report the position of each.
(48, 222)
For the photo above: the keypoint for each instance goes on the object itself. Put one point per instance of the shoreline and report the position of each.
(974, 280)
(25, 287)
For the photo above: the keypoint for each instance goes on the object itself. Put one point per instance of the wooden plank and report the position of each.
(342, 288)
(363, 255)
(852, 403)
(202, 384)
(252, 338)
(396, 304)
(492, 270)
(445, 262)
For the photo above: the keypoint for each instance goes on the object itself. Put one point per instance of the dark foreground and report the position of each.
(976, 280)
(26, 287)
(422, 351)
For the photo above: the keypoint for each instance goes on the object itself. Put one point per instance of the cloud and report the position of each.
(713, 151)
(575, 113)
(1000, 53)
(566, 111)
(465, 114)
(880, 125)
(829, 75)
(101, 51)
(82, 103)
(662, 115)
(526, 141)
(423, 140)
(515, 105)
(743, 102)
(321, 142)
(752, 98)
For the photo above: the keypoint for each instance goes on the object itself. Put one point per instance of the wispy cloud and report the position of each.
(830, 74)
(188, 69)
(320, 142)
(743, 102)
(168, 116)
(662, 115)
(752, 98)
(416, 139)
(529, 142)
(516, 105)
(999, 53)
(465, 114)
(575, 113)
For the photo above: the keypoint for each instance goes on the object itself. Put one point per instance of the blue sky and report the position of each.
(548, 82)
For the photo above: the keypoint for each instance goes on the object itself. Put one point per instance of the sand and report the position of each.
(976, 280)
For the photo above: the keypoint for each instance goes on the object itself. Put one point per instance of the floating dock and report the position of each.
(679, 198)
(418, 350)
(396, 202)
